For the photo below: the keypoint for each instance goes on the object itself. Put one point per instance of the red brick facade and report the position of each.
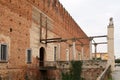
(16, 30)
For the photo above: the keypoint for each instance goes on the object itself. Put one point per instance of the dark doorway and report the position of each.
(41, 55)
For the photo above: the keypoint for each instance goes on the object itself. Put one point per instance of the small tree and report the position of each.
(75, 71)
(117, 61)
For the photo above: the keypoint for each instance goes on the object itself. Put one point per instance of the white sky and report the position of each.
(93, 17)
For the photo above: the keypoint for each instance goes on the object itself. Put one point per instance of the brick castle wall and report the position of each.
(20, 32)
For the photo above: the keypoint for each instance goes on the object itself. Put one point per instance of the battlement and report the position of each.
(55, 10)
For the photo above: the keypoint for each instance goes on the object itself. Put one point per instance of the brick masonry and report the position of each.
(20, 32)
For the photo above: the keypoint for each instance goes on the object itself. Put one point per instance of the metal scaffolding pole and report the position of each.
(95, 44)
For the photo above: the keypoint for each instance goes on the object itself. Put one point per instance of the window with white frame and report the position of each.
(79, 56)
(3, 52)
(55, 52)
(29, 55)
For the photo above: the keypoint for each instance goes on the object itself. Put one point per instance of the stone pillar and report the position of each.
(67, 54)
(82, 52)
(90, 47)
(111, 58)
(74, 51)
(70, 52)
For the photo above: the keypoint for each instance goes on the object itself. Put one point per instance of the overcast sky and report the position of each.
(93, 17)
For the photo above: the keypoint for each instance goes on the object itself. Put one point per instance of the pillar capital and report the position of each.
(111, 22)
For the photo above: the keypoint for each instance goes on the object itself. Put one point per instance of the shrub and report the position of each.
(74, 73)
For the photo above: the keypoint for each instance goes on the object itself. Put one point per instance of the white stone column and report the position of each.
(111, 59)
(74, 51)
(82, 52)
(67, 54)
(90, 48)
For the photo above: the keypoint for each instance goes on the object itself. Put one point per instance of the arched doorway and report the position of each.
(41, 56)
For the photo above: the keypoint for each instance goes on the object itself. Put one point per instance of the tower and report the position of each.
(111, 59)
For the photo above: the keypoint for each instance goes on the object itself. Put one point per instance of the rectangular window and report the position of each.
(55, 52)
(3, 52)
(29, 56)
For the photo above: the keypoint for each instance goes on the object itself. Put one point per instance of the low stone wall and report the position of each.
(93, 68)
